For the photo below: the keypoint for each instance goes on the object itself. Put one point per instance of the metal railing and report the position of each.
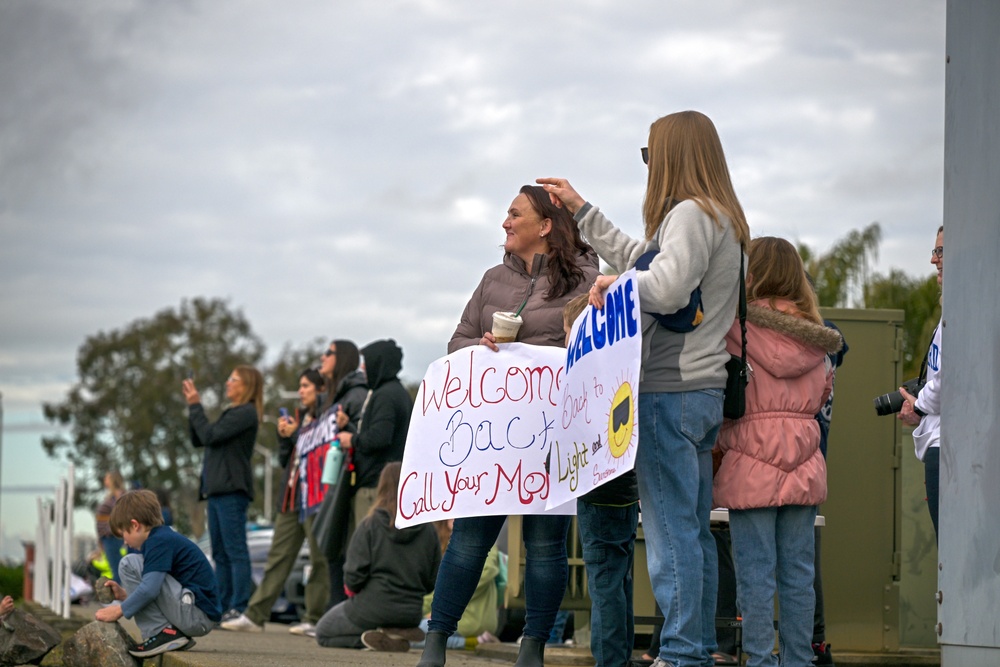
(53, 566)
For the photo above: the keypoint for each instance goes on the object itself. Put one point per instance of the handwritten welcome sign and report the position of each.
(529, 428)
(481, 429)
(598, 429)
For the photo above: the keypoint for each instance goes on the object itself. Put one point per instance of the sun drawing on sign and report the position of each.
(621, 419)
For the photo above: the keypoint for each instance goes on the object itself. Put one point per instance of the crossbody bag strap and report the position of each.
(743, 312)
(364, 408)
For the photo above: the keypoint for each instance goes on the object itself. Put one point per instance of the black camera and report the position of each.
(891, 403)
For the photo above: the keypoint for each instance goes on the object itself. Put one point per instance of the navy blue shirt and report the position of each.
(169, 552)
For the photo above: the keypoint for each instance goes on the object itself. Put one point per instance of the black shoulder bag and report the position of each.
(737, 372)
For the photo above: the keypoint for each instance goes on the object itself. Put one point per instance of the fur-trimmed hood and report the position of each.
(817, 335)
(783, 344)
(771, 455)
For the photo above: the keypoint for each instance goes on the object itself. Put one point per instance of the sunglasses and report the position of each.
(645, 154)
(330, 353)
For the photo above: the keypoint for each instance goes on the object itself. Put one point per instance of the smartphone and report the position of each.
(282, 412)
(190, 375)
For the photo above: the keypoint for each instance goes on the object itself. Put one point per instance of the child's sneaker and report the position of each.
(230, 615)
(241, 623)
(822, 655)
(167, 639)
(377, 640)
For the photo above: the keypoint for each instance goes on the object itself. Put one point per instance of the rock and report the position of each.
(103, 594)
(25, 639)
(99, 644)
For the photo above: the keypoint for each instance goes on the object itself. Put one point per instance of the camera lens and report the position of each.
(888, 404)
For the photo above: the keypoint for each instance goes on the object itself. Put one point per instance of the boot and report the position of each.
(531, 653)
(434, 649)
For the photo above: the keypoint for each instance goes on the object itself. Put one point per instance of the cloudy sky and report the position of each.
(343, 168)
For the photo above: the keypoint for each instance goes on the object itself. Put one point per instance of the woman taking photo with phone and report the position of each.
(695, 222)
(227, 478)
(296, 436)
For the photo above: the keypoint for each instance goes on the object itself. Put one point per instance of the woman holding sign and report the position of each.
(696, 227)
(545, 264)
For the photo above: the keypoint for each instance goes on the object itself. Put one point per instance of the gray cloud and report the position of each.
(342, 169)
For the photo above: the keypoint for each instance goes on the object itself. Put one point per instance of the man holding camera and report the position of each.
(924, 410)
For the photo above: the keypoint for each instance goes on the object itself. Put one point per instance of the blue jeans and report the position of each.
(113, 552)
(545, 571)
(773, 547)
(674, 469)
(608, 537)
(227, 529)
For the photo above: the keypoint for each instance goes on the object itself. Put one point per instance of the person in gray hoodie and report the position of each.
(696, 226)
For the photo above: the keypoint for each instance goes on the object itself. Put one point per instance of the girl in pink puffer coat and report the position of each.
(772, 474)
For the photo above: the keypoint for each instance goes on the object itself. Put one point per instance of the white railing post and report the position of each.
(67, 537)
(57, 547)
(42, 556)
(53, 567)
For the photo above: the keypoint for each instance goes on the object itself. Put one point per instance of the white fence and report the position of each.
(53, 564)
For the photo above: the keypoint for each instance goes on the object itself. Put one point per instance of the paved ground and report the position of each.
(276, 647)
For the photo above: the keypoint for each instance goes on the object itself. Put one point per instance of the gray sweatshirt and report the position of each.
(694, 251)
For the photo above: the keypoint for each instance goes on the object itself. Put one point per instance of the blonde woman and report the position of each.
(696, 226)
(227, 478)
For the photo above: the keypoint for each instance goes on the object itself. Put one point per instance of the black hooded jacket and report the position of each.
(382, 433)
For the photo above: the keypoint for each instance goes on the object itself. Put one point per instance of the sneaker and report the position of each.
(230, 615)
(409, 634)
(241, 623)
(822, 655)
(377, 640)
(167, 639)
(303, 629)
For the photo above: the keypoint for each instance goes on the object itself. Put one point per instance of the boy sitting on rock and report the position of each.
(169, 588)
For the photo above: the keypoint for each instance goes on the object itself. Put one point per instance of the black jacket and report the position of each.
(382, 434)
(350, 396)
(390, 571)
(228, 447)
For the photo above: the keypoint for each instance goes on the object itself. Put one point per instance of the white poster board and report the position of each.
(481, 429)
(599, 424)
(485, 424)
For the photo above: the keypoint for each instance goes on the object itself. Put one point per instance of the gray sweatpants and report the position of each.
(173, 606)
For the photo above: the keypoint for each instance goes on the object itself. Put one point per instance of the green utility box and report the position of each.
(878, 552)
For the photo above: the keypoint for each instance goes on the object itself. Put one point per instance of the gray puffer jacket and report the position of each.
(506, 286)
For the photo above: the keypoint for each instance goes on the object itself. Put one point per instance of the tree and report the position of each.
(920, 299)
(843, 271)
(126, 411)
(842, 276)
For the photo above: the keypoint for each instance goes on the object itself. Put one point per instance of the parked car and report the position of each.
(286, 608)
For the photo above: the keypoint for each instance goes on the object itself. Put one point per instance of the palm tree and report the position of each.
(842, 274)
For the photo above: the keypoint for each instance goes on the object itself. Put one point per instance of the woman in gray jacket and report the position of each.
(545, 264)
